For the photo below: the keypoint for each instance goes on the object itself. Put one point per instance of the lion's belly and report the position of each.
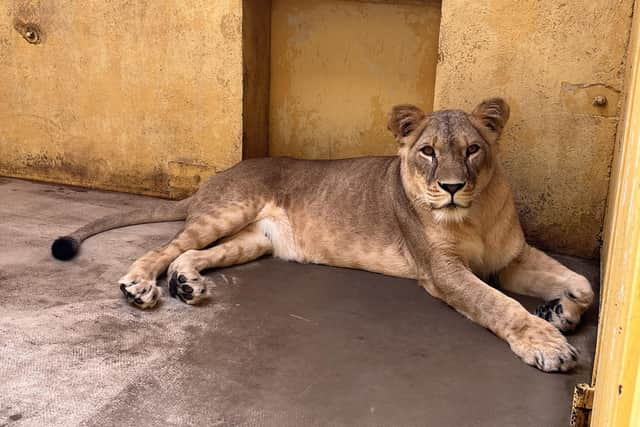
(278, 230)
(317, 245)
(377, 258)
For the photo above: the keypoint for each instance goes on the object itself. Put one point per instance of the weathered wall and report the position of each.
(142, 96)
(337, 67)
(549, 60)
(150, 97)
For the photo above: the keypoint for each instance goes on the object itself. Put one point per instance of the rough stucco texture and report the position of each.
(337, 68)
(548, 59)
(141, 96)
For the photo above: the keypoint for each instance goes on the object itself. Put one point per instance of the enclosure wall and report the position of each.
(549, 60)
(152, 97)
(142, 96)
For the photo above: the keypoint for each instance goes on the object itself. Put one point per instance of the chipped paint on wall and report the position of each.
(117, 91)
(337, 68)
(549, 60)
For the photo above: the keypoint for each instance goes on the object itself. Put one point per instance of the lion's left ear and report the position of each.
(404, 119)
(490, 117)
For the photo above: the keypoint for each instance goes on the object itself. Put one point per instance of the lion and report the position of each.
(440, 212)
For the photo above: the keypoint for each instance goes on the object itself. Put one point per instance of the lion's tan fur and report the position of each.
(392, 215)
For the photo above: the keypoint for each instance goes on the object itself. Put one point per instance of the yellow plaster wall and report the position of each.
(337, 68)
(142, 96)
(549, 59)
(150, 96)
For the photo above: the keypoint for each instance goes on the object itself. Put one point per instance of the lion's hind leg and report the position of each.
(185, 281)
(567, 294)
(139, 284)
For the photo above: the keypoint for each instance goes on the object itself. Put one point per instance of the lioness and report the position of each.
(440, 212)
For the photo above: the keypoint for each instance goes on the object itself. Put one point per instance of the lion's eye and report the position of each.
(473, 148)
(428, 151)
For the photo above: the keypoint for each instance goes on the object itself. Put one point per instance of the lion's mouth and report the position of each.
(451, 212)
(448, 205)
(452, 206)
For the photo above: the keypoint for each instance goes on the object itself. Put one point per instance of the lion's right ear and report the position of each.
(490, 117)
(404, 119)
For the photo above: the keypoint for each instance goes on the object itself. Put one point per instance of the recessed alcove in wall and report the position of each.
(336, 67)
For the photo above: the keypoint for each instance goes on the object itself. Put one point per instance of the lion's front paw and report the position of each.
(540, 344)
(185, 282)
(140, 293)
(563, 314)
(189, 287)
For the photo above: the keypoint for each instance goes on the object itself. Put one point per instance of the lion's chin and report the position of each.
(450, 213)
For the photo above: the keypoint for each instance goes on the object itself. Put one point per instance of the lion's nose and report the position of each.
(451, 188)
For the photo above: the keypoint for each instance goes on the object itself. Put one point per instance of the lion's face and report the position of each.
(447, 157)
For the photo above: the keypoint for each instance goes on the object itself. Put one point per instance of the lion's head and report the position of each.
(448, 156)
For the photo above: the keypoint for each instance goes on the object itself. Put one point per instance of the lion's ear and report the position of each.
(490, 117)
(404, 119)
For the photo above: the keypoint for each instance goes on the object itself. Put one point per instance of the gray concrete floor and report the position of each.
(279, 344)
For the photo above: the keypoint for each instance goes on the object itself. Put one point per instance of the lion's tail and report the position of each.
(66, 247)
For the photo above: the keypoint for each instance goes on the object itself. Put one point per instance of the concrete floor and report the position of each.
(280, 344)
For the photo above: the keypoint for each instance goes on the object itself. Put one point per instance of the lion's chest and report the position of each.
(484, 253)
(471, 249)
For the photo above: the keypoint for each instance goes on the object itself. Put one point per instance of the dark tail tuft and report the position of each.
(64, 248)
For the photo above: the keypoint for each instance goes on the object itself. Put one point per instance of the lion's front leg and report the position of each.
(567, 294)
(535, 341)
